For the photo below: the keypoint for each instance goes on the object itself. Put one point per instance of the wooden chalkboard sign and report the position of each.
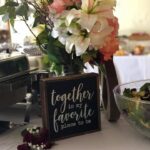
(70, 105)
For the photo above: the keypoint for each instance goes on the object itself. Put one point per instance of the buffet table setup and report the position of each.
(79, 73)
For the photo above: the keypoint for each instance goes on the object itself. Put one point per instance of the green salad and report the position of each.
(138, 109)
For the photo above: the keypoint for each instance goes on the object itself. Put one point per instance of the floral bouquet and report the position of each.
(35, 138)
(69, 32)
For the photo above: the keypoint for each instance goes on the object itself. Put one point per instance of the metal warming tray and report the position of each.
(14, 79)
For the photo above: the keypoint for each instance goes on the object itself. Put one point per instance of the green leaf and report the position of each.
(145, 87)
(127, 92)
(53, 51)
(11, 3)
(8, 11)
(53, 57)
(3, 10)
(102, 69)
(58, 69)
(51, 66)
(22, 10)
(43, 37)
(12, 13)
(12, 21)
(45, 59)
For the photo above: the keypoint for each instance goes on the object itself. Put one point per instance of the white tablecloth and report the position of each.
(132, 68)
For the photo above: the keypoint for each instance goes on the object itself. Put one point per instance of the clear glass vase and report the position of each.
(72, 69)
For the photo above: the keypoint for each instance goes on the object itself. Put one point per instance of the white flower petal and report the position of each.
(55, 33)
(105, 11)
(100, 25)
(73, 13)
(98, 38)
(62, 39)
(87, 5)
(109, 2)
(70, 43)
(87, 21)
(81, 45)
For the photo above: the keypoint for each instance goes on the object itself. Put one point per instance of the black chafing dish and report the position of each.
(15, 81)
(14, 78)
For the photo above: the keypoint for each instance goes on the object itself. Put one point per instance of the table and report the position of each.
(113, 136)
(132, 68)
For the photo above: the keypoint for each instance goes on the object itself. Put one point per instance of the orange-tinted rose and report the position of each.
(114, 23)
(110, 47)
(111, 42)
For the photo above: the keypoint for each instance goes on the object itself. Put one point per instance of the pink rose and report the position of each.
(58, 6)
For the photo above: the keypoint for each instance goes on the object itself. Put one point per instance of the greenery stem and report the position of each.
(102, 69)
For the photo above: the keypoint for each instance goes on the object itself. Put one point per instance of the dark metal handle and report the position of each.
(16, 83)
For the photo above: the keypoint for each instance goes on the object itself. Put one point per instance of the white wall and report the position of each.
(21, 32)
(134, 16)
(1, 2)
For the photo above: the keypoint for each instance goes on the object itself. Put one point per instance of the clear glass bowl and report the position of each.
(135, 110)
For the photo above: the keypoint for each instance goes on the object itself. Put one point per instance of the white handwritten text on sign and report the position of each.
(77, 96)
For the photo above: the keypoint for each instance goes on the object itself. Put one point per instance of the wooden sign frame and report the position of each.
(70, 105)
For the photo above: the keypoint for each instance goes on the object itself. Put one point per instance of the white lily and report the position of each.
(60, 33)
(63, 38)
(91, 18)
(98, 7)
(94, 18)
(70, 43)
(88, 5)
(55, 33)
(74, 28)
(98, 34)
(92, 5)
(111, 3)
(59, 30)
(87, 21)
(81, 44)
(72, 14)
